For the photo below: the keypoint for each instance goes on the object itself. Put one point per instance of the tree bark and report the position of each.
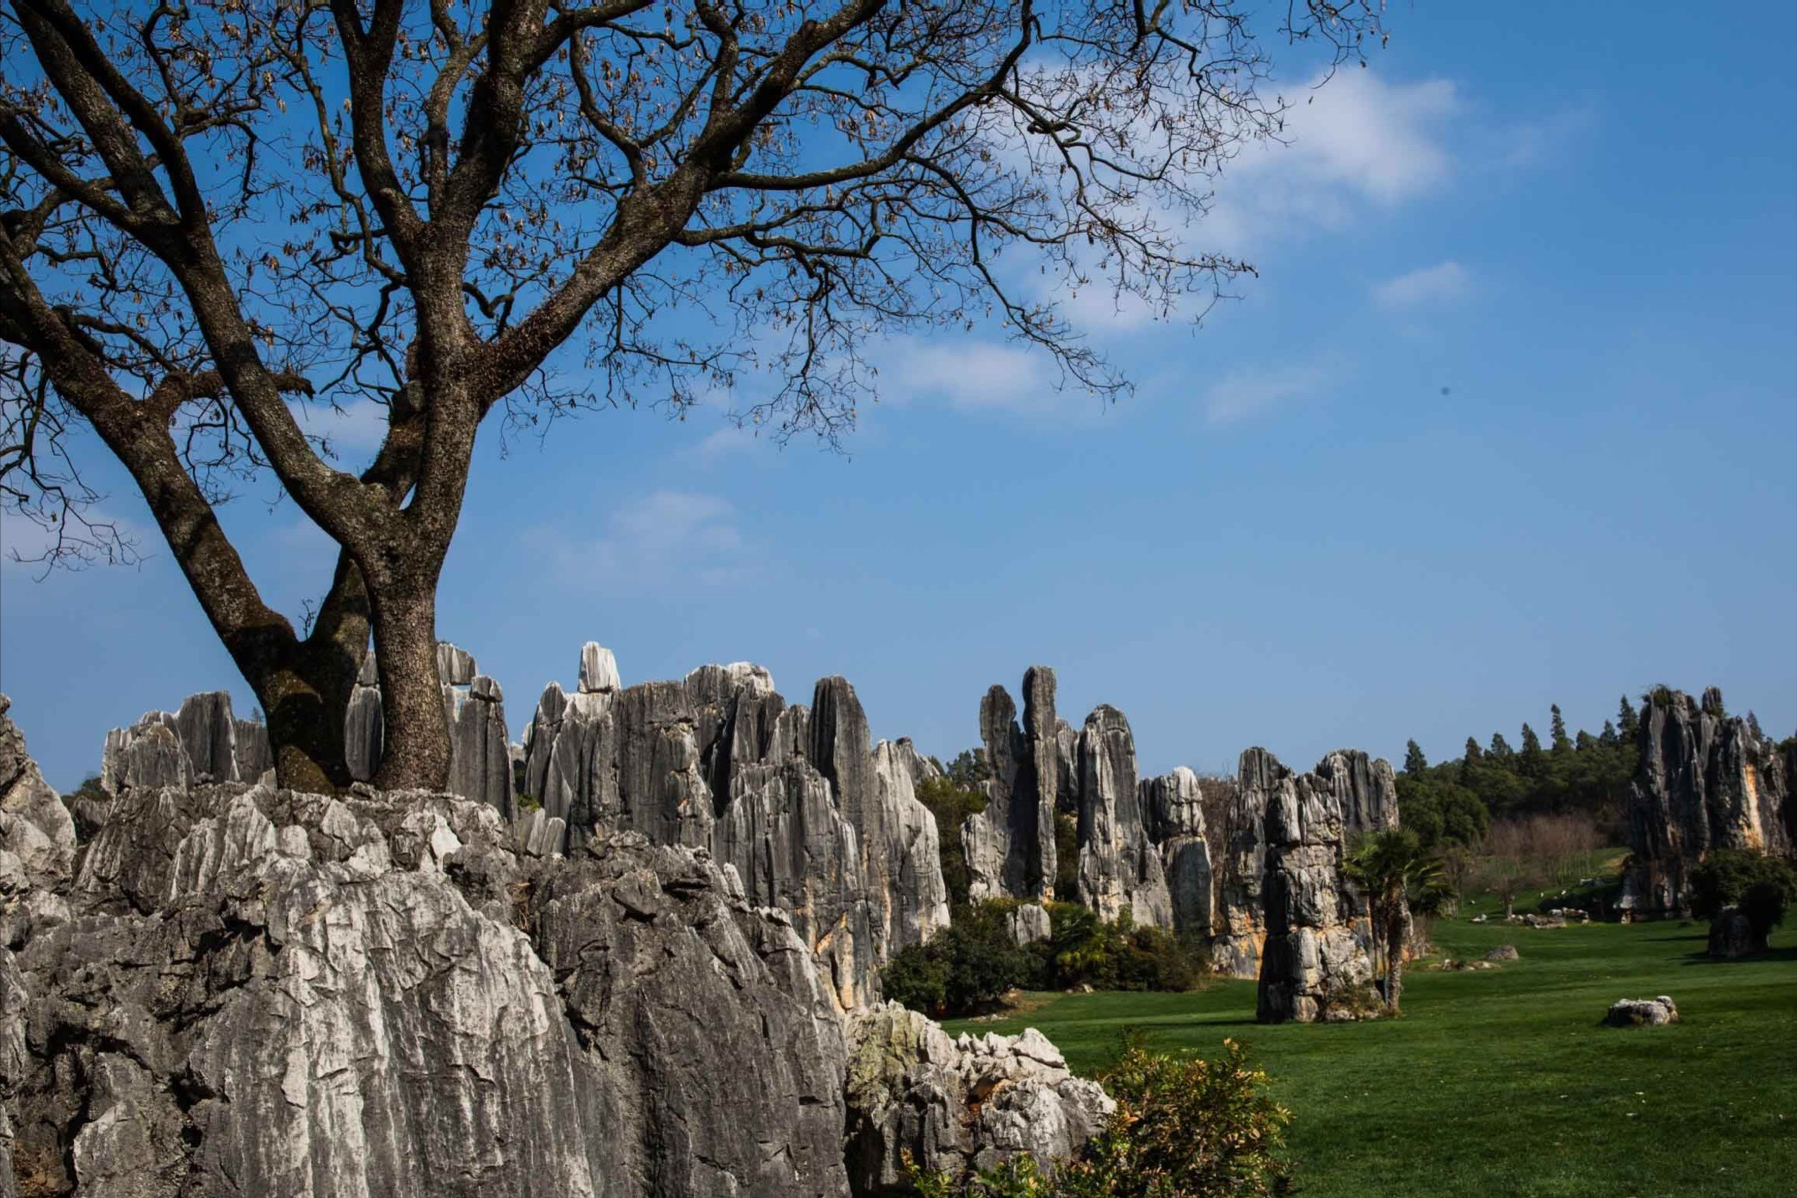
(416, 738)
(1394, 965)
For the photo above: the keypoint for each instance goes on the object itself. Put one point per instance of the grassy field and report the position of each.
(1502, 1082)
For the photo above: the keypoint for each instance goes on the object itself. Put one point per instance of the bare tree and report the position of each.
(218, 214)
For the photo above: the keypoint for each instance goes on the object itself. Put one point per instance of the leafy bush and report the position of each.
(969, 964)
(1184, 1128)
(951, 801)
(1761, 886)
(964, 968)
(1084, 950)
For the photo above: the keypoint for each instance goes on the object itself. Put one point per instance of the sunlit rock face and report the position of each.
(1287, 837)
(1706, 781)
(810, 817)
(1011, 845)
(255, 991)
(201, 742)
(1120, 866)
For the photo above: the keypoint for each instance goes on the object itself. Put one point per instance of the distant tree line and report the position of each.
(1456, 802)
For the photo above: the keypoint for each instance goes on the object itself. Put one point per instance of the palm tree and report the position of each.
(1399, 879)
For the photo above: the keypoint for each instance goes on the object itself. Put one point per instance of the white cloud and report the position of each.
(969, 373)
(1247, 393)
(726, 441)
(664, 539)
(1352, 142)
(354, 430)
(1429, 285)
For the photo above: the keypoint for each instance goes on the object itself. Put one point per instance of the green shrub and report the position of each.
(951, 802)
(1761, 886)
(964, 968)
(1184, 1127)
(1084, 950)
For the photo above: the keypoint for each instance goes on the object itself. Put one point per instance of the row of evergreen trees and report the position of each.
(1456, 802)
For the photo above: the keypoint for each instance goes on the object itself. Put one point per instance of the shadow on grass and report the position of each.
(1784, 953)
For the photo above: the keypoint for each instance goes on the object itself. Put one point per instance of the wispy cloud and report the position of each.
(663, 539)
(1354, 143)
(354, 430)
(1428, 285)
(969, 373)
(723, 442)
(1247, 393)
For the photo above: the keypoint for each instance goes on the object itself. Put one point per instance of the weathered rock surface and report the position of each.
(1642, 1012)
(810, 817)
(1031, 922)
(1010, 845)
(1174, 811)
(37, 835)
(956, 1104)
(1315, 956)
(1345, 795)
(253, 991)
(202, 742)
(1120, 867)
(1705, 782)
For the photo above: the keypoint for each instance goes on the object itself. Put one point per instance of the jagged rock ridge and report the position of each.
(1706, 781)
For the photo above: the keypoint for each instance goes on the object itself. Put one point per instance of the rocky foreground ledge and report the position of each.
(239, 990)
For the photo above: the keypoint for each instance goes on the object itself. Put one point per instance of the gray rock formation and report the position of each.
(262, 992)
(1010, 846)
(1031, 922)
(1642, 1012)
(1174, 811)
(1120, 866)
(598, 669)
(1705, 782)
(37, 835)
(1314, 961)
(810, 817)
(1350, 793)
(958, 1104)
(202, 742)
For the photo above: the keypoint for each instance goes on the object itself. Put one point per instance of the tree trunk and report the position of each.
(416, 728)
(1394, 965)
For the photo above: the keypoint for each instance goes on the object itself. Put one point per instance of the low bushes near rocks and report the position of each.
(968, 966)
(1183, 1126)
(1744, 895)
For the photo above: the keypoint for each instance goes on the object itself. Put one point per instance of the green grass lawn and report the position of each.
(1503, 1082)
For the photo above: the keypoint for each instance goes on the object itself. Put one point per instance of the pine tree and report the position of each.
(1753, 726)
(1500, 748)
(1627, 722)
(1562, 743)
(1608, 738)
(1415, 764)
(1530, 762)
(1469, 760)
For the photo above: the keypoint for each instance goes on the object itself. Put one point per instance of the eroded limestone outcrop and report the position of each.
(37, 835)
(809, 816)
(1011, 845)
(1173, 807)
(1283, 871)
(956, 1104)
(1706, 781)
(1120, 866)
(202, 742)
(254, 991)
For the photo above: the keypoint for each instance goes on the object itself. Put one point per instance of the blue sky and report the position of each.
(1509, 418)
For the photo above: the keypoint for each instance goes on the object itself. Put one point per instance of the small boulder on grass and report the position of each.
(1642, 1012)
(1503, 952)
